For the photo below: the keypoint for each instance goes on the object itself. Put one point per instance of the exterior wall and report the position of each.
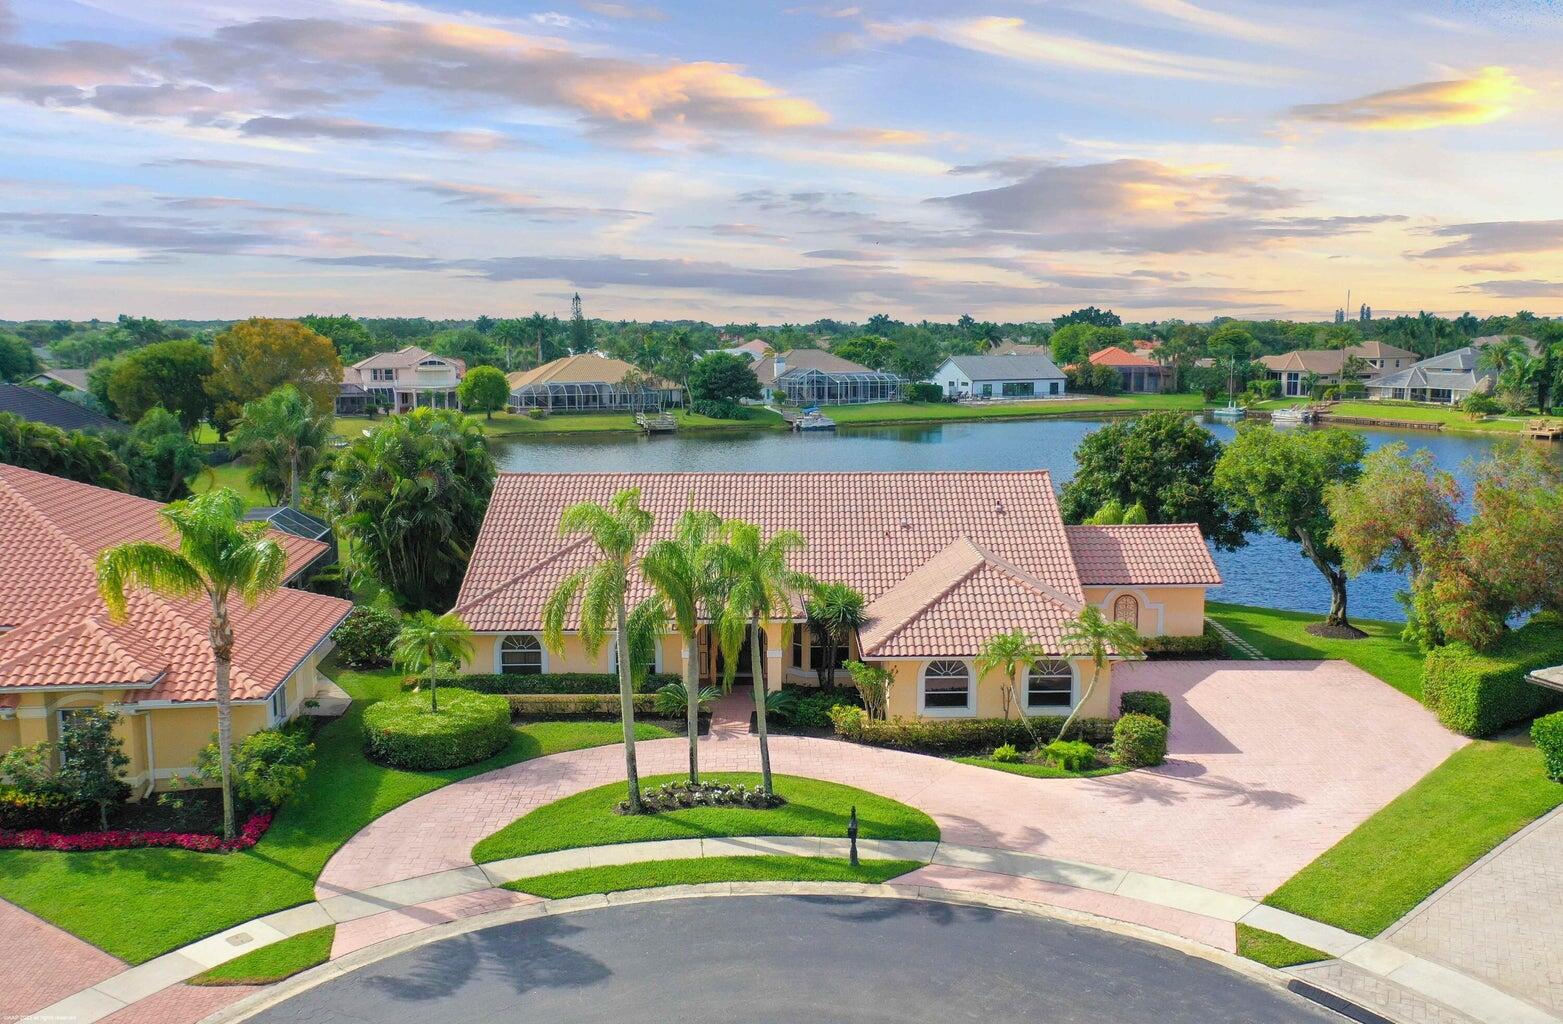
(906, 701)
(573, 658)
(1164, 611)
(955, 383)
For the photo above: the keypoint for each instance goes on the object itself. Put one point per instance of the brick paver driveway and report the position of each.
(1271, 763)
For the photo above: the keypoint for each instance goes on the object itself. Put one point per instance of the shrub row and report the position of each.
(1547, 733)
(575, 705)
(403, 732)
(1174, 648)
(549, 682)
(51, 811)
(810, 707)
(126, 839)
(1479, 693)
(959, 737)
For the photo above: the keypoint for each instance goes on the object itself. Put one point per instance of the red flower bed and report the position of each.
(82, 842)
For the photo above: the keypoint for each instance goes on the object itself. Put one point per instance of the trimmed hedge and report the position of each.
(1547, 733)
(1185, 648)
(967, 737)
(1478, 693)
(575, 705)
(53, 812)
(550, 682)
(811, 709)
(1147, 702)
(1139, 741)
(402, 732)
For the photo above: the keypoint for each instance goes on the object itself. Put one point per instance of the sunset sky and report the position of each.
(736, 161)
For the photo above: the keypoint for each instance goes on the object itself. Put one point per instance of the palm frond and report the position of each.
(144, 564)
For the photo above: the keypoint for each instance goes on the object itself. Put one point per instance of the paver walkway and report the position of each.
(49, 963)
(1259, 783)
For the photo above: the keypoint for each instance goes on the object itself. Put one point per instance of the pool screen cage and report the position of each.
(822, 387)
(592, 395)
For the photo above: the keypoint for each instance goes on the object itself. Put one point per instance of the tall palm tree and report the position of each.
(761, 588)
(283, 437)
(1095, 636)
(216, 555)
(603, 589)
(835, 613)
(1011, 652)
(684, 572)
(426, 641)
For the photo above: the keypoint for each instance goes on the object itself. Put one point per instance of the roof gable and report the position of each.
(1012, 367)
(41, 406)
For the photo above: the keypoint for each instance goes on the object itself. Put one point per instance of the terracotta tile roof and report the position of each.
(1171, 554)
(1115, 356)
(582, 369)
(62, 635)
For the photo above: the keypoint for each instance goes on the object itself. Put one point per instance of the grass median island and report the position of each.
(1274, 950)
(274, 962)
(138, 904)
(1481, 795)
(813, 808)
(698, 870)
(1282, 635)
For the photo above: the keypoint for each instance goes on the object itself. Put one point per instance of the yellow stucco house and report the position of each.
(60, 652)
(945, 560)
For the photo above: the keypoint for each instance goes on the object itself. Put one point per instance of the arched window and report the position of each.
(1127, 609)
(947, 686)
(1050, 684)
(521, 655)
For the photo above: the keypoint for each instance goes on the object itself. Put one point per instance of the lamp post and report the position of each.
(852, 834)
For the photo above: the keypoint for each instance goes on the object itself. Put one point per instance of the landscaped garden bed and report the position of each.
(128, 839)
(684, 795)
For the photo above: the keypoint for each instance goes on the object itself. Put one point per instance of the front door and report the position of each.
(717, 663)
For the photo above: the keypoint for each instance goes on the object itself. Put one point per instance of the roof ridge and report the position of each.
(922, 608)
(1072, 603)
(37, 516)
(529, 570)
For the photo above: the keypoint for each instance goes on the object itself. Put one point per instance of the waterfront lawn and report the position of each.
(1274, 950)
(1281, 635)
(1416, 412)
(1088, 405)
(506, 424)
(138, 904)
(813, 808)
(695, 871)
(1481, 795)
(274, 962)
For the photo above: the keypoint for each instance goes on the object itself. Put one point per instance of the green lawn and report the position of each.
(1042, 771)
(1417, 412)
(654, 874)
(813, 808)
(137, 904)
(1281, 634)
(505, 424)
(1274, 950)
(1480, 796)
(229, 474)
(274, 962)
(928, 412)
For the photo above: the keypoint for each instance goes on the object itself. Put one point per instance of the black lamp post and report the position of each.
(852, 833)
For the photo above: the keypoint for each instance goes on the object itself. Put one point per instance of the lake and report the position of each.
(1269, 571)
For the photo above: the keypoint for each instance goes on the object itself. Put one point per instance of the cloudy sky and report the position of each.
(738, 160)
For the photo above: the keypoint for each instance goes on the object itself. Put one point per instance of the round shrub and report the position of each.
(1147, 702)
(1005, 753)
(1547, 732)
(403, 733)
(364, 638)
(1139, 741)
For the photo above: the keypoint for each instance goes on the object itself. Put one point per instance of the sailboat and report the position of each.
(1230, 411)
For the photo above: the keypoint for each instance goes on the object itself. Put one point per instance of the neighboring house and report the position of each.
(754, 351)
(60, 651)
(400, 381)
(1445, 379)
(1016, 348)
(812, 376)
(590, 382)
(1327, 366)
(1006, 376)
(1138, 373)
(40, 406)
(76, 380)
(946, 560)
(298, 523)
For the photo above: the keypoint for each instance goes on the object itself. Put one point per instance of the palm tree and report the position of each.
(1093, 635)
(603, 590)
(684, 572)
(835, 612)
(283, 436)
(1516, 368)
(1011, 652)
(760, 590)
(217, 555)
(426, 641)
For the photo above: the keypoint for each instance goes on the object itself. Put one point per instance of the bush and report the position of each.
(1005, 754)
(364, 638)
(1547, 733)
(1139, 741)
(1147, 702)
(960, 737)
(550, 682)
(268, 766)
(402, 732)
(1184, 648)
(578, 705)
(811, 704)
(924, 391)
(722, 409)
(1477, 405)
(1479, 693)
(673, 700)
(680, 796)
(1071, 755)
(53, 811)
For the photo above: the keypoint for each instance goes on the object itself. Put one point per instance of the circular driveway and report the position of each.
(789, 959)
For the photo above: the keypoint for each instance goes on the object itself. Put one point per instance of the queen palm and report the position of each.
(603, 592)
(1011, 652)
(684, 572)
(426, 641)
(760, 589)
(216, 555)
(283, 436)
(1094, 636)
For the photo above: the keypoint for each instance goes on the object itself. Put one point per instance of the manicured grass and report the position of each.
(1280, 634)
(1416, 412)
(927, 412)
(813, 808)
(655, 874)
(1480, 796)
(137, 904)
(274, 962)
(1043, 771)
(505, 424)
(1274, 950)
(229, 474)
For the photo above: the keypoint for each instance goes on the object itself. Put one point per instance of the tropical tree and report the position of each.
(426, 642)
(600, 592)
(159, 456)
(1092, 635)
(1518, 372)
(72, 454)
(1010, 652)
(252, 359)
(761, 588)
(684, 571)
(835, 612)
(484, 389)
(216, 556)
(282, 435)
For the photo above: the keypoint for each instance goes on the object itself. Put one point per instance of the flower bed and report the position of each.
(129, 839)
(678, 796)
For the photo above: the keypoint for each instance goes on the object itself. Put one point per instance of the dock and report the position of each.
(1544, 430)
(660, 423)
(808, 420)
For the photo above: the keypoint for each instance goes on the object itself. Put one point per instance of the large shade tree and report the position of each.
(172, 374)
(254, 358)
(215, 556)
(282, 435)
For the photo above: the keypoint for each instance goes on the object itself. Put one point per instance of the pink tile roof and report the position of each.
(1114, 356)
(62, 634)
(1170, 554)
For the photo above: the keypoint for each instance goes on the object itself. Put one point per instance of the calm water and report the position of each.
(1269, 571)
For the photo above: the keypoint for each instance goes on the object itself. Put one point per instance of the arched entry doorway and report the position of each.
(713, 663)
